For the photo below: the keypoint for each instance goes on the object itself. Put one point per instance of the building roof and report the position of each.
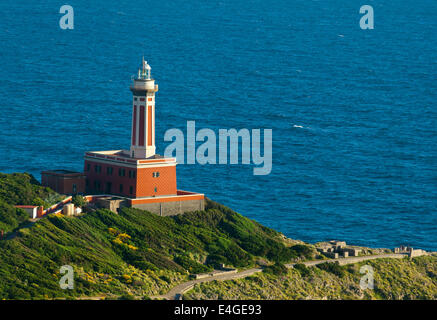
(122, 157)
(62, 173)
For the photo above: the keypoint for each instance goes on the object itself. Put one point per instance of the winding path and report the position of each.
(177, 292)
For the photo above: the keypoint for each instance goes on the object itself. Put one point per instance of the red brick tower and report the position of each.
(146, 179)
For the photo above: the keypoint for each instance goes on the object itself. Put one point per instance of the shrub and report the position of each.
(191, 265)
(278, 269)
(302, 251)
(79, 201)
(302, 269)
(333, 268)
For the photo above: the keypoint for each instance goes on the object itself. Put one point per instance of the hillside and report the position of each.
(394, 279)
(135, 252)
(139, 254)
(21, 189)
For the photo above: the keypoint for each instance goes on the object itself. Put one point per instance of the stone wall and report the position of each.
(172, 208)
(113, 204)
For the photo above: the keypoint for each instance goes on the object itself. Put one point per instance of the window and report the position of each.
(142, 99)
(156, 189)
(156, 174)
(74, 188)
(131, 190)
(109, 170)
(88, 167)
(131, 174)
(121, 172)
(87, 183)
(150, 99)
(121, 188)
(97, 185)
(97, 168)
(135, 99)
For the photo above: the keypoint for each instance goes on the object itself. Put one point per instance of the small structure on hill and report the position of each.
(334, 249)
(68, 210)
(33, 211)
(410, 251)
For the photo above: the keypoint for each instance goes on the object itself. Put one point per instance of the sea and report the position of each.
(353, 111)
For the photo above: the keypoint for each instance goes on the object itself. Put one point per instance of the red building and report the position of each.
(138, 174)
(64, 181)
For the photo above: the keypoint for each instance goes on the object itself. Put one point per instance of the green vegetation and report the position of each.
(138, 254)
(21, 189)
(333, 268)
(192, 266)
(79, 201)
(302, 269)
(277, 269)
(394, 279)
(132, 253)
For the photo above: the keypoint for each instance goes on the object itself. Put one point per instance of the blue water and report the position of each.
(353, 111)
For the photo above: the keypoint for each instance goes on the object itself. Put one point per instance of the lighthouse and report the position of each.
(138, 177)
(143, 113)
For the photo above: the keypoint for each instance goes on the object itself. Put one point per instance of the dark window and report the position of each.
(156, 174)
(156, 189)
(121, 188)
(97, 168)
(135, 99)
(74, 188)
(109, 170)
(131, 190)
(121, 172)
(97, 185)
(108, 187)
(87, 183)
(131, 173)
(88, 167)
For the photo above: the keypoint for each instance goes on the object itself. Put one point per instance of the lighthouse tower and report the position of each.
(139, 177)
(143, 114)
